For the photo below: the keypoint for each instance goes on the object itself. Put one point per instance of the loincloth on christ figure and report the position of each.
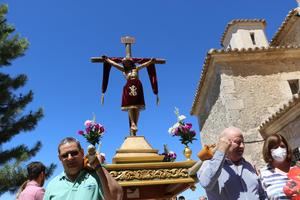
(133, 95)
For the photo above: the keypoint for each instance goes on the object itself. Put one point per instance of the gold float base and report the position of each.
(157, 180)
(139, 169)
(135, 149)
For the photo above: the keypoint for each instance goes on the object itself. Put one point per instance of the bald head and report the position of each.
(235, 137)
(231, 132)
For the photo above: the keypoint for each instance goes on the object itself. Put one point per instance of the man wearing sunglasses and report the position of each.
(78, 182)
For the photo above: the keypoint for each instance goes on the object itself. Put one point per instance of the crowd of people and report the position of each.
(226, 175)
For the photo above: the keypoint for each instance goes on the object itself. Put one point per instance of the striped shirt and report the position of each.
(273, 182)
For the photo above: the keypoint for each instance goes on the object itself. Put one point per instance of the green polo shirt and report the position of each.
(86, 186)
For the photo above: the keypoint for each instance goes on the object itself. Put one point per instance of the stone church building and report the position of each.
(252, 84)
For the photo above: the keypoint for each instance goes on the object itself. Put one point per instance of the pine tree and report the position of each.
(13, 120)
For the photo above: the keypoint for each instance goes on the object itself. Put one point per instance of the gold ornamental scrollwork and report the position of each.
(129, 175)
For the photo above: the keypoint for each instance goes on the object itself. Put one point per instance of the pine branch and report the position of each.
(8, 83)
(11, 177)
(20, 153)
(14, 107)
(11, 49)
(11, 46)
(25, 123)
(49, 170)
(12, 119)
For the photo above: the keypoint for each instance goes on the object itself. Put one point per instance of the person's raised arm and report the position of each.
(110, 187)
(113, 63)
(211, 169)
(145, 64)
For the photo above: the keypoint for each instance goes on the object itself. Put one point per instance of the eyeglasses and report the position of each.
(72, 153)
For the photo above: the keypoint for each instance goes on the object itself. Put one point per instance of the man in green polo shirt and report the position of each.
(77, 182)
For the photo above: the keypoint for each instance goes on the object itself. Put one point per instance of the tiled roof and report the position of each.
(281, 29)
(236, 21)
(282, 110)
(213, 52)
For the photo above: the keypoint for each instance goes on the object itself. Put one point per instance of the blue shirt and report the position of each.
(224, 180)
(86, 186)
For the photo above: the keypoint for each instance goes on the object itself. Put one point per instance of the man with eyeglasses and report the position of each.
(78, 182)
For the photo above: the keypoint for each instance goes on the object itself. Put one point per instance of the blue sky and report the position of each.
(64, 35)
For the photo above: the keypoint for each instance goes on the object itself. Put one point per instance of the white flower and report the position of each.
(181, 117)
(170, 130)
(173, 128)
(176, 125)
(87, 122)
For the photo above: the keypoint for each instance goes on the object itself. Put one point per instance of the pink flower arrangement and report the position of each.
(170, 156)
(182, 129)
(93, 131)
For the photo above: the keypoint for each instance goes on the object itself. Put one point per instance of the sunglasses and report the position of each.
(72, 153)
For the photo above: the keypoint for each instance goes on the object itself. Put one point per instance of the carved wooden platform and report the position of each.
(140, 171)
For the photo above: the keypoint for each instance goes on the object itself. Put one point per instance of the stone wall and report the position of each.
(238, 35)
(244, 95)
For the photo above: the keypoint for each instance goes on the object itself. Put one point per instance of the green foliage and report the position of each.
(11, 46)
(12, 176)
(13, 120)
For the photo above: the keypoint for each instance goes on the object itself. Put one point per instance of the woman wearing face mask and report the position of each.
(277, 154)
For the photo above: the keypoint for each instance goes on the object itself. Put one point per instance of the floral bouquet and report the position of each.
(182, 129)
(170, 156)
(292, 187)
(93, 132)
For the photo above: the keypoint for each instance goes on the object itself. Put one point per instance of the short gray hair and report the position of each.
(69, 140)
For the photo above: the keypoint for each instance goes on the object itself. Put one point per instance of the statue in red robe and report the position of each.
(133, 96)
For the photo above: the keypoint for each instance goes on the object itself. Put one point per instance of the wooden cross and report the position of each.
(133, 84)
(127, 40)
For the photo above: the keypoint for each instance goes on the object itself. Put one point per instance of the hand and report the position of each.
(93, 159)
(224, 144)
(104, 57)
(91, 162)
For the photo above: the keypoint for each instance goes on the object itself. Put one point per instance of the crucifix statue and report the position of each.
(133, 97)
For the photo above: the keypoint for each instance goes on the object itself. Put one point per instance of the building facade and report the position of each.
(248, 80)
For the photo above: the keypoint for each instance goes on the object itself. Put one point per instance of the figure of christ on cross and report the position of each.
(133, 96)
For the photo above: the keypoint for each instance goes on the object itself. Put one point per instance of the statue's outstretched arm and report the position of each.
(145, 64)
(114, 64)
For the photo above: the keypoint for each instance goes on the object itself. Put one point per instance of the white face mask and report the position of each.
(279, 154)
